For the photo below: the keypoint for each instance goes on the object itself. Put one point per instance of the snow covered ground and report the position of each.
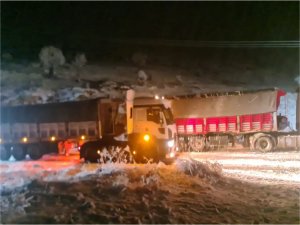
(214, 187)
(273, 167)
(211, 187)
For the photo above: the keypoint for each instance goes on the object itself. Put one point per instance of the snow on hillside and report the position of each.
(25, 84)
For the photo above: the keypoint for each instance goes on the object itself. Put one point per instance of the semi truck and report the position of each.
(91, 126)
(248, 118)
(153, 127)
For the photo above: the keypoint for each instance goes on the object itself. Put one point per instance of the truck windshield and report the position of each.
(168, 115)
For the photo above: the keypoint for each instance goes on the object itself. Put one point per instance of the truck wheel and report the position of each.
(144, 154)
(197, 144)
(264, 144)
(35, 152)
(136, 152)
(18, 152)
(5, 153)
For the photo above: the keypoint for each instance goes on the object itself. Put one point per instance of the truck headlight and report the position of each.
(170, 143)
(146, 137)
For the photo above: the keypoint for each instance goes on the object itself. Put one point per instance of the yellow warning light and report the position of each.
(24, 139)
(82, 137)
(146, 137)
(52, 138)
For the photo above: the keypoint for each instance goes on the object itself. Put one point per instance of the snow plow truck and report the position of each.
(92, 126)
(247, 118)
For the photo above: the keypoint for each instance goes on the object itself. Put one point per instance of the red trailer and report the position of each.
(222, 120)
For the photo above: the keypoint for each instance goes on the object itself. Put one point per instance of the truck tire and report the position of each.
(89, 151)
(18, 152)
(5, 153)
(93, 157)
(264, 144)
(35, 152)
(145, 154)
(197, 144)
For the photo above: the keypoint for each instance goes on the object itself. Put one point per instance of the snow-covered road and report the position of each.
(273, 167)
(210, 187)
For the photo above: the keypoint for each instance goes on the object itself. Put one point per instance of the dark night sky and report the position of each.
(27, 26)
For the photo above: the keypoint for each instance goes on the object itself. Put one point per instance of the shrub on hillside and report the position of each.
(79, 62)
(51, 58)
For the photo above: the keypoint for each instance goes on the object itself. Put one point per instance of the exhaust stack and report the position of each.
(129, 106)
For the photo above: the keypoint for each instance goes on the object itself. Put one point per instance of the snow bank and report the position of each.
(205, 170)
(15, 204)
(17, 175)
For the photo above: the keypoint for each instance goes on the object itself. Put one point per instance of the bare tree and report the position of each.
(51, 58)
(143, 78)
(79, 62)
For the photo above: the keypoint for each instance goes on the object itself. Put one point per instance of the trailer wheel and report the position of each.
(5, 153)
(35, 152)
(18, 152)
(197, 144)
(264, 144)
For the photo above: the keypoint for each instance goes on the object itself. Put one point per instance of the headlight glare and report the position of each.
(146, 137)
(170, 143)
